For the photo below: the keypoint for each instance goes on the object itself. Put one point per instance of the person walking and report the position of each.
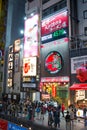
(38, 110)
(56, 118)
(68, 121)
(72, 116)
(50, 117)
(63, 108)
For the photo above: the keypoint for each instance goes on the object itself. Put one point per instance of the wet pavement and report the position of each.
(76, 125)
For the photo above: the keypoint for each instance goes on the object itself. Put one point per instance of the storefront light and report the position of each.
(59, 83)
(64, 83)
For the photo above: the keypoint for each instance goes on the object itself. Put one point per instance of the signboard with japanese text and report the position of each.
(17, 46)
(30, 66)
(10, 66)
(80, 94)
(11, 49)
(54, 27)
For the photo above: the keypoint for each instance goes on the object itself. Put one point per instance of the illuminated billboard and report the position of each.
(53, 62)
(10, 66)
(29, 66)
(54, 27)
(31, 36)
(54, 58)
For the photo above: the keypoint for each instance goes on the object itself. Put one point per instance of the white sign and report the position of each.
(80, 94)
(78, 62)
(29, 66)
(29, 85)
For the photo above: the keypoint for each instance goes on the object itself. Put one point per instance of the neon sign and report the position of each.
(54, 22)
(55, 35)
(53, 62)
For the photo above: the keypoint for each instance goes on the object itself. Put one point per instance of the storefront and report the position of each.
(80, 97)
(52, 87)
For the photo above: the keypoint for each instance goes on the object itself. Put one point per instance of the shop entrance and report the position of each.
(55, 91)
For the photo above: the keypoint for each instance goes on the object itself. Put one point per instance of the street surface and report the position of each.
(77, 124)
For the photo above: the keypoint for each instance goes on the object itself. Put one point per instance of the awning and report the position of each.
(82, 86)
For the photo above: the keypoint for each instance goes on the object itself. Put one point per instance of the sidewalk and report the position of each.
(77, 124)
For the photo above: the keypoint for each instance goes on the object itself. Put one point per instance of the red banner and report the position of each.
(3, 125)
(55, 22)
(53, 91)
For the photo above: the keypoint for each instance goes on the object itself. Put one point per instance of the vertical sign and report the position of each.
(31, 36)
(10, 66)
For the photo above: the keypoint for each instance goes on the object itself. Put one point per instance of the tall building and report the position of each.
(78, 55)
(3, 17)
(15, 23)
(53, 61)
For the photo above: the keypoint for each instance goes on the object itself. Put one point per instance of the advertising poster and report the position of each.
(12, 126)
(54, 27)
(3, 125)
(29, 66)
(31, 36)
(76, 62)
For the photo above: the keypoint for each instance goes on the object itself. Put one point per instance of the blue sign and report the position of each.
(12, 126)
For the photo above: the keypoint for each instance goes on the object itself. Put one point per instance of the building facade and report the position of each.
(61, 36)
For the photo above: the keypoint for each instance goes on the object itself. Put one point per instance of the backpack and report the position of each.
(38, 110)
(58, 113)
(67, 118)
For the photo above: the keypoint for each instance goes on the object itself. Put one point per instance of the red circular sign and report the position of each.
(53, 62)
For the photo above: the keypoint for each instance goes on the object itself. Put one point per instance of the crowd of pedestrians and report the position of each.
(38, 110)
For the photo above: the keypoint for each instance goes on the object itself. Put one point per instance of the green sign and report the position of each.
(59, 33)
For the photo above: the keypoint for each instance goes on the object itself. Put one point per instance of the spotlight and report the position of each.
(21, 125)
(30, 128)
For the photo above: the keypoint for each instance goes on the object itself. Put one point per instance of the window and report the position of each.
(30, 0)
(85, 31)
(84, 1)
(85, 14)
(45, 1)
(54, 8)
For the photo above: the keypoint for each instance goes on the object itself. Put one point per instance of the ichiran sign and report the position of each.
(54, 27)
